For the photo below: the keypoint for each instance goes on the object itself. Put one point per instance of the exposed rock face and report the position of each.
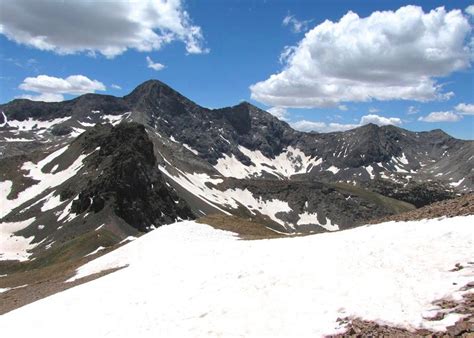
(129, 180)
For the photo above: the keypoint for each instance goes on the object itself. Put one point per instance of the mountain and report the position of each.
(122, 166)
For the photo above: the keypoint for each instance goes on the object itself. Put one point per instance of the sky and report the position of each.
(318, 65)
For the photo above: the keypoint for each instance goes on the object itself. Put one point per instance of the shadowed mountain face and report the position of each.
(129, 182)
(154, 156)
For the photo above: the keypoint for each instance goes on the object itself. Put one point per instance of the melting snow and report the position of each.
(217, 285)
(115, 119)
(86, 124)
(9, 139)
(233, 198)
(195, 152)
(370, 171)
(46, 181)
(333, 169)
(290, 162)
(15, 247)
(51, 201)
(31, 123)
(308, 218)
(456, 184)
(403, 159)
(100, 248)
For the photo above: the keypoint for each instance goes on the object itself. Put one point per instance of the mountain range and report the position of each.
(90, 172)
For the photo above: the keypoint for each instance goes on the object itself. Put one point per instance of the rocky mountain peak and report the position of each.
(154, 95)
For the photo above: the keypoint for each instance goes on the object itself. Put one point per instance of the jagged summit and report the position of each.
(155, 95)
(150, 88)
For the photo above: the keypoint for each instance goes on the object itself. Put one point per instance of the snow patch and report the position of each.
(32, 124)
(10, 139)
(195, 152)
(100, 248)
(370, 171)
(15, 247)
(333, 169)
(195, 183)
(289, 162)
(46, 180)
(458, 183)
(390, 273)
(312, 218)
(51, 201)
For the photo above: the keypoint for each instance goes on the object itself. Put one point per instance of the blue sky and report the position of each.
(216, 52)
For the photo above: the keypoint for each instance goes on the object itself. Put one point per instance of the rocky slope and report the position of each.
(460, 206)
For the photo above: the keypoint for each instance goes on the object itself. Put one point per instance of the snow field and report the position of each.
(188, 279)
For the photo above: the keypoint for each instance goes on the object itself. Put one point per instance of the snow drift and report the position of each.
(188, 279)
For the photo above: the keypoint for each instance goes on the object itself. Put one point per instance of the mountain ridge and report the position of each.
(184, 161)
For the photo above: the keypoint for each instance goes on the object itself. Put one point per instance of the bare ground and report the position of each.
(461, 206)
(32, 285)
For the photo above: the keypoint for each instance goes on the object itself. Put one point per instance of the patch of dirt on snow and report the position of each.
(464, 327)
(246, 229)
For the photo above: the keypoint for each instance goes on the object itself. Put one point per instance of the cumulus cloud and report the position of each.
(50, 88)
(470, 10)
(296, 26)
(46, 97)
(374, 110)
(107, 27)
(154, 65)
(441, 116)
(323, 127)
(412, 110)
(279, 112)
(386, 56)
(380, 120)
(342, 107)
(465, 108)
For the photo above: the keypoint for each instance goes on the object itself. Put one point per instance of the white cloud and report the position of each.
(279, 112)
(107, 27)
(386, 56)
(296, 26)
(441, 116)
(342, 107)
(374, 110)
(52, 88)
(323, 127)
(380, 120)
(46, 97)
(115, 86)
(412, 110)
(470, 10)
(154, 65)
(465, 108)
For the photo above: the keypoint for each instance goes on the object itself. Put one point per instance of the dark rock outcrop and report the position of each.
(128, 179)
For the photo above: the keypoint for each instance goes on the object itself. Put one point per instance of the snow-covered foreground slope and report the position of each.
(188, 279)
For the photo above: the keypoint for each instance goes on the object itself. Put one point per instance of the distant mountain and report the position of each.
(153, 157)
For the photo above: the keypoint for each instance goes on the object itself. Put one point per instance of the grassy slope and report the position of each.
(391, 204)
